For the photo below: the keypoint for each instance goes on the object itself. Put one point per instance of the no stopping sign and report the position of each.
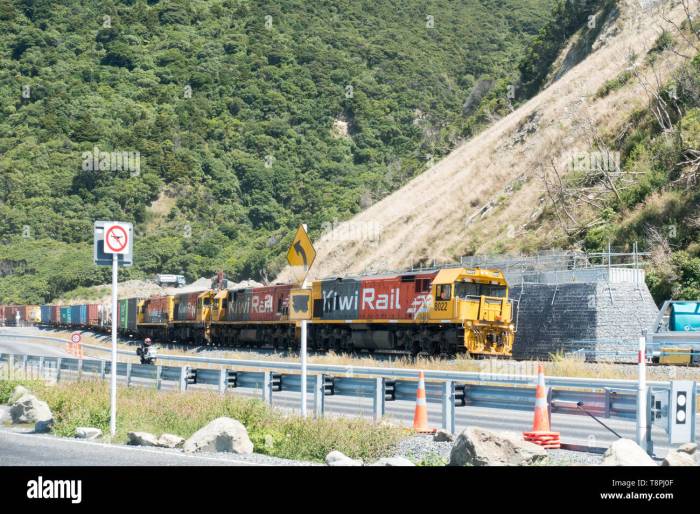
(116, 239)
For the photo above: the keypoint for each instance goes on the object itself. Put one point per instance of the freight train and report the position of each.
(440, 312)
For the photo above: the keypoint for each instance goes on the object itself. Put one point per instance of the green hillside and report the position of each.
(248, 118)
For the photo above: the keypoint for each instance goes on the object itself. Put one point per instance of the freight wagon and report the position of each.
(447, 311)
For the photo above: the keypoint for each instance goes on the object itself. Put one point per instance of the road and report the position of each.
(575, 429)
(28, 449)
(21, 346)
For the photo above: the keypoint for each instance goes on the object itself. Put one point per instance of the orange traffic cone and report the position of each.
(420, 417)
(541, 433)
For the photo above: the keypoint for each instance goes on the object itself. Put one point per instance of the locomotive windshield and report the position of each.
(464, 290)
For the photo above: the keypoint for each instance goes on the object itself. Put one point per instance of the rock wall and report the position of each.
(599, 317)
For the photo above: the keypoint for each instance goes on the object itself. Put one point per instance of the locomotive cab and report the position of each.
(478, 300)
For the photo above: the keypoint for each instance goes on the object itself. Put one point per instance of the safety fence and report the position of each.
(606, 399)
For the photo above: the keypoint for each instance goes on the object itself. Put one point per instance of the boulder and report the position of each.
(443, 436)
(336, 458)
(141, 439)
(479, 447)
(221, 435)
(88, 433)
(393, 461)
(676, 458)
(170, 441)
(17, 393)
(43, 426)
(5, 416)
(625, 452)
(29, 409)
(688, 448)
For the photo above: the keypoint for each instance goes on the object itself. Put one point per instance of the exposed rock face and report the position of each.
(142, 439)
(479, 447)
(221, 435)
(88, 433)
(676, 458)
(336, 458)
(625, 452)
(29, 409)
(393, 461)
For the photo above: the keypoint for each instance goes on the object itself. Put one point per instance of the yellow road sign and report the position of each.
(301, 252)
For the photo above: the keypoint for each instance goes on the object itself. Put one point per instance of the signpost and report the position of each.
(301, 256)
(113, 244)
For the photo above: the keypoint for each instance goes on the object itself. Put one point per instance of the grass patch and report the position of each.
(271, 431)
(614, 84)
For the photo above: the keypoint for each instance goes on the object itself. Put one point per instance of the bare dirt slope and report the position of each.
(488, 195)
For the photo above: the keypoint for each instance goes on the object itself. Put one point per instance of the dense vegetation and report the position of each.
(249, 118)
(660, 208)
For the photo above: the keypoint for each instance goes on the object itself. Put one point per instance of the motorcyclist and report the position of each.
(145, 351)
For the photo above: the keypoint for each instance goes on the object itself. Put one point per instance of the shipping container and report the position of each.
(2, 315)
(123, 314)
(66, 316)
(55, 315)
(46, 314)
(133, 308)
(75, 315)
(11, 312)
(157, 310)
(32, 313)
(93, 315)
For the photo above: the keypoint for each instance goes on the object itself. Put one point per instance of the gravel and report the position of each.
(423, 448)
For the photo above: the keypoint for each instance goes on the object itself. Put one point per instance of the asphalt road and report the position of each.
(23, 346)
(29, 449)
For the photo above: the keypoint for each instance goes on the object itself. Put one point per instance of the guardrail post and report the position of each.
(448, 406)
(59, 361)
(379, 399)
(80, 369)
(11, 366)
(183, 378)
(319, 396)
(159, 374)
(41, 366)
(267, 387)
(103, 369)
(222, 381)
(606, 390)
(25, 364)
(128, 374)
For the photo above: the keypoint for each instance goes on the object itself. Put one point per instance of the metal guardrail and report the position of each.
(389, 373)
(609, 401)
